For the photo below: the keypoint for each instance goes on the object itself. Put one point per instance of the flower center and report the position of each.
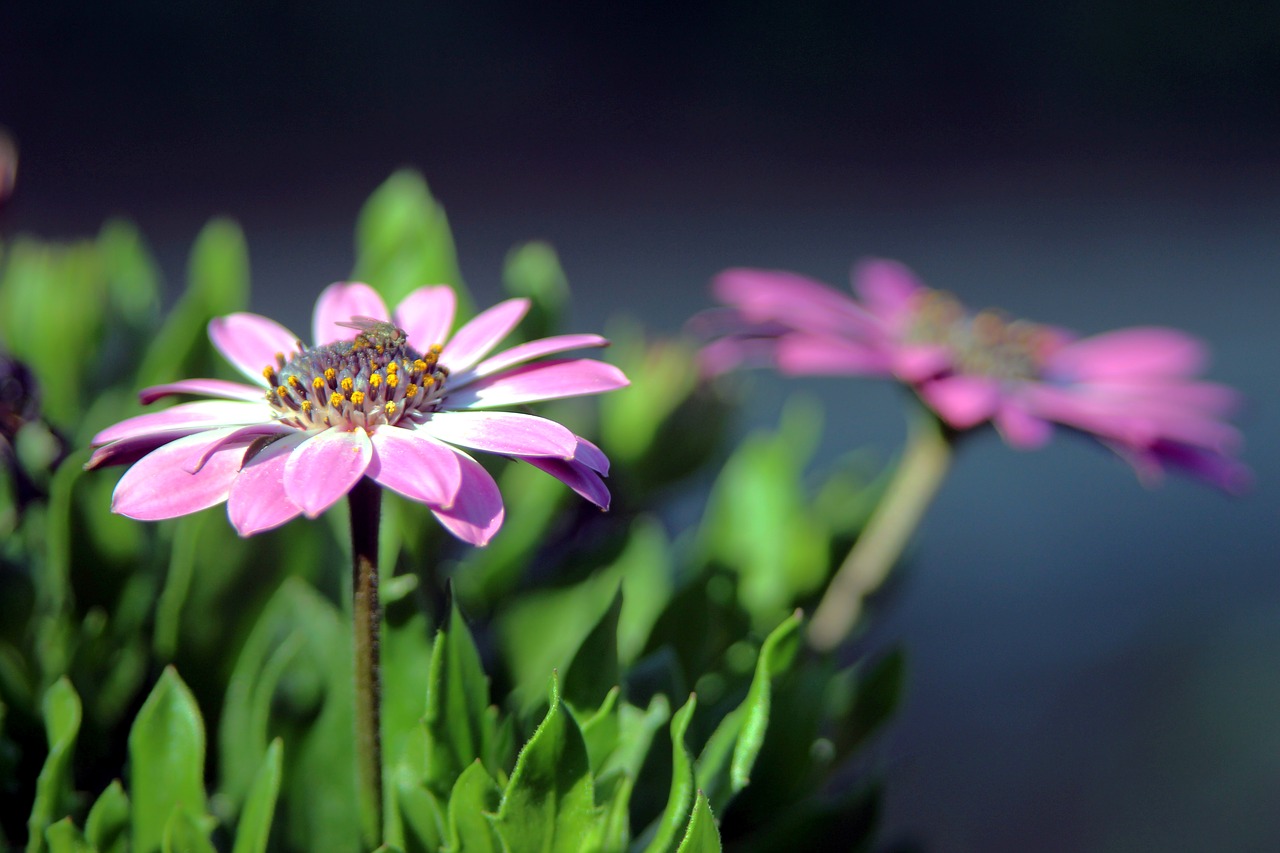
(364, 383)
(987, 343)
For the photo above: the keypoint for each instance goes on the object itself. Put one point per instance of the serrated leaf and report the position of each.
(594, 670)
(600, 730)
(457, 704)
(403, 241)
(724, 767)
(166, 757)
(702, 836)
(472, 804)
(635, 730)
(62, 712)
(106, 827)
(549, 804)
(254, 829)
(683, 783)
(63, 837)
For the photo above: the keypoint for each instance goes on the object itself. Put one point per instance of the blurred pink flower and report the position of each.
(1133, 389)
(394, 401)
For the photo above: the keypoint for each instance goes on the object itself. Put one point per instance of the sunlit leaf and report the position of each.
(702, 836)
(62, 712)
(683, 784)
(107, 826)
(474, 801)
(254, 829)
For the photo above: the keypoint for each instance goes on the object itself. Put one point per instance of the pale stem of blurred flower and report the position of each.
(924, 464)
(365, 501)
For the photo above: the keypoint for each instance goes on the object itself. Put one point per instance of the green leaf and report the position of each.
(600, 730)
(421, 817)
(61, 709)
(635, 730)
(683, 783)
(532, 270)
(406, 672)
(186, 834)
(472, 804)
(549, 804)
(724, 767)
(403, 241)
(133, 281)
(594, 670)
(702, 835)
(254, 828)
(457, 703)
(108, 821)
(217, 284)
(182, 562)
(63, 837)
(166, 754)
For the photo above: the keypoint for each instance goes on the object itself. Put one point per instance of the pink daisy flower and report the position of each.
(387, 396)
(1135, 390)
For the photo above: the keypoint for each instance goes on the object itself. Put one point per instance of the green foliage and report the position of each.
(626, 615)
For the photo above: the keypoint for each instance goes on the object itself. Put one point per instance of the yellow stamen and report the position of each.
(392, 367)
(306, 405)
(392, 380)
(330, 374)
(357, 398)
(435, 349)
(336, 399)
(419, 366)
(347, 385)
(410, 390)
(389, 408)
(282, 391)
(375, 380)
(428, 381)
(317, 383)
(294, 382)
(269, 374)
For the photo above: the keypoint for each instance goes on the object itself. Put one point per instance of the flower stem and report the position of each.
(365, 501)
(920, 472)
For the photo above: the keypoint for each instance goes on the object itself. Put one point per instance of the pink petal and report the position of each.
(511, 433)
(126, 451)
(325, 467)
(962, 401)
(792, 299)
(591, 456)
(230, 435)
(206, 413)
(545, 380)
(482, 334)
(536, 349)
(1021, 429)
(410, 462)
(888, 289)
(339, 303)
(918, 362)
(576, 476)
(250, 342)
(426, 315)
(476, 514)
(258, 500)
(814, 355)
(205, 387)
(1137, 352)
(157, 487)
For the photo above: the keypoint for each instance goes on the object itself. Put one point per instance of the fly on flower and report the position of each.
(392, 397)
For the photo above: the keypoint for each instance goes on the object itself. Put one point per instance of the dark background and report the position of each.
(1094, 666)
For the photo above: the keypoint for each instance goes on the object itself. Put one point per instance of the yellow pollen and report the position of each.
(347, 385)
(428, 381)
(392, 380)
(336, 399)
(357, 398)
(419, 366)
(317, 383)
(330, 374)
(375, 380)
(380, 349)
(306, 405)
(280, 359)
(282, 391)
(268, 372)
(392, 368)
(410, 390)
(436, 349)
(294, 382)
(389, 408)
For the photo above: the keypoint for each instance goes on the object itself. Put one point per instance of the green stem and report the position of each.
(920, 473)
(366, 503)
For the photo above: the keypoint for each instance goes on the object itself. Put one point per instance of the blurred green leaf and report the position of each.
(724, 767)
(532, 270)
(457, 724)
(185, 834)
(182, 562)
(254, 829)
(683, 784)
(549, 804)
(63, 837)
(406, 671)
(702, 835)
(403, 241)
(62, 713)
(473, 803)
(759, 523)
(421, 817)
(594, 670)
(663, 374)
(217, 284)
(133, 280)
(166, 756)
(106, 828)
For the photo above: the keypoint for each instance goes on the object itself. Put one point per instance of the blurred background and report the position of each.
(1092, 665)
